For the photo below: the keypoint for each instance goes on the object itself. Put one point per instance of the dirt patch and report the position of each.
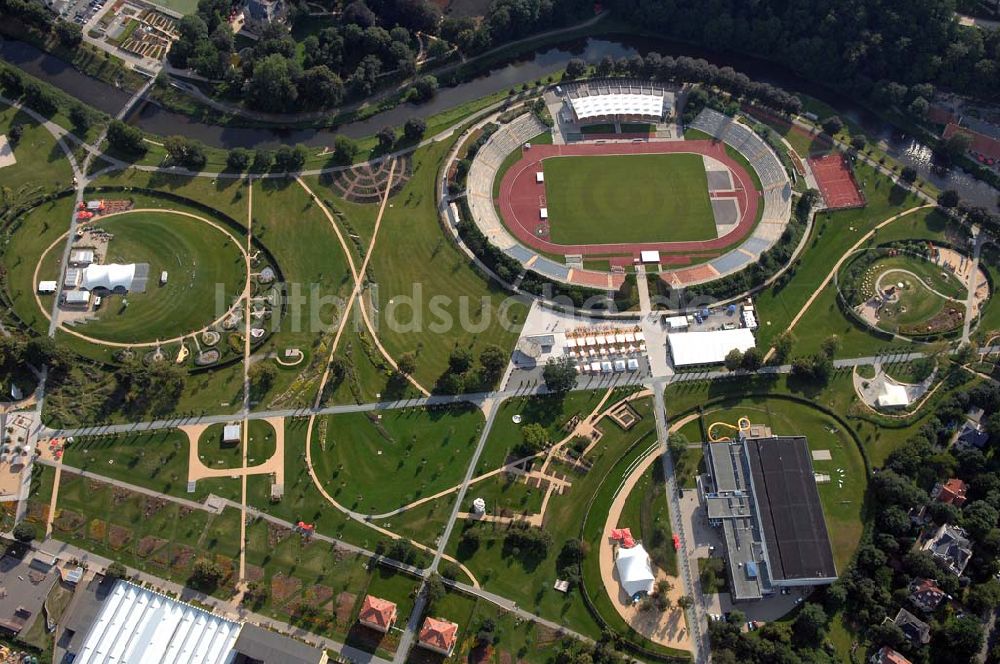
(284, 587)
(38, 512)
(184, 511)
(120, 495)
(162, 556)
(481, 654)
(69, 521)
(545, 636)
(317, 596)
(148, 545)
(93, 486)
(345, 607)
(229, 566)
(151, 505)
(119, 536)
(254, 573)
(182, 557)
(506, 657)
(276, 534)
(97, 530)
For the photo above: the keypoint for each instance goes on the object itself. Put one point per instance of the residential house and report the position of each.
(438, 636)
(887, 655)
(916, 630)
(925, 594)
(951, 546)
(379, 614)
(952, 492)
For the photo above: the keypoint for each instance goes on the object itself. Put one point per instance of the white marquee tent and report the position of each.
(634, 572)
(691, 348)
(110, 276)
(611, 105)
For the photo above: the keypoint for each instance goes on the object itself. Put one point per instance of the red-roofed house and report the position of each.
(438, 635)
(925, 594)
(377, 613)
(887, 655)
(952, 491)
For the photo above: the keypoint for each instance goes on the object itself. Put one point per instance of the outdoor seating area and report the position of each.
(619, 100)
(605, 349)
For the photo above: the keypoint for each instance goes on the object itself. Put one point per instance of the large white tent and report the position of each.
(604, 106)
(634, 571)
(893, 396)
(693, 348)
(110, 276)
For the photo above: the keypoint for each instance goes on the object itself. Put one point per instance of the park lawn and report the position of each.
(529, 582)
(453, 306)
(41, 165)
(989, 260)
(181, 6)
(664, 199)
(261, 445)
(842, 505)
(805, 143)
(423, 451)
(692, 462)
(301, 500)
(831, 237)
(227, 195)
(935, 276)
(30, 237)
(317, 279)
(423, 523)
(199, 260)
(156, 460)
(367, 376)
(506, 493)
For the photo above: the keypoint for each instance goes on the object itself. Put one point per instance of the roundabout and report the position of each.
(192, 266)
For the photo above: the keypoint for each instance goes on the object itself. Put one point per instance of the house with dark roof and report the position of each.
(887, 655)
(438, 636)
(916, 630)
(951, 545)
(952, 492)
(378, 614)
(925, 594)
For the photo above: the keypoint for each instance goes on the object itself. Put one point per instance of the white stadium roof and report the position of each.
(599, 106)
(110, 276)
(634, 572)
(138, 626)
(690, 348)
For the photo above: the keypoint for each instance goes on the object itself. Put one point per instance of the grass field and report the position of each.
(422, 451)
(198, 259)
(181, 6)
(260, 446)
(628, 198)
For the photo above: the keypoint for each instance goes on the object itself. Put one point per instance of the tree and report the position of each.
(184, 151)
(414, 129)
(752, 359)
(559, 375)
(238, 159)
(80, 118)
(677, 444)
(831, 345)
(783, 346)
(460, 360)
(407, 364)
(434, 589)
(858, 141)
(685, 602)
(344, 149)
(810, 624)
(958, 640)
(262, 376)
(493, 360)
(605, 66)
(832, 125)
(535, 437)
(954, 146)
(206, 575)
(125, 138)
(918, 108)
(321, 88)
(979, 517)
(15, 133)
(289, 159)
(386, 137)
(24, 532)
(262, 159)
(983, 597)
(115, 571)
(272, 86)
(575, 68)
(948, 198)
(908, 174)
(734, 359)
(424, 88)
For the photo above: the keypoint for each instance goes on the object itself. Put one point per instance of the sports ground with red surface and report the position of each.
(836, 182)
(521, 198)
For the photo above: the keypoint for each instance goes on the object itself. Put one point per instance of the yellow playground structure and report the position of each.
(742, 425)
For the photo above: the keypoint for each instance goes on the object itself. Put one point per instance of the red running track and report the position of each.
(836, 182)
(520, 196)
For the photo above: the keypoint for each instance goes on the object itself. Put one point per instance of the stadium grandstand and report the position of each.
(618, 100)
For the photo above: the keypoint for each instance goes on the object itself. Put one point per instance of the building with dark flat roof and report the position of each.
(761, 492)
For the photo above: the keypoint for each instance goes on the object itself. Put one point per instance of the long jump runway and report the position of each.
(520, 195)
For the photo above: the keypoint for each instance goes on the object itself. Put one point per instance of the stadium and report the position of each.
(616, 183)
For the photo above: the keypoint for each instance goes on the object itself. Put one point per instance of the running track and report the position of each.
(519, 197)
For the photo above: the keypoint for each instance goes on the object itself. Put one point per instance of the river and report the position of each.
(157, 120)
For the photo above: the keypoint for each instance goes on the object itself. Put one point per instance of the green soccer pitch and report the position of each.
(628, 198)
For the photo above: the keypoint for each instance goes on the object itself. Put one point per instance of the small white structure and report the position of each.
(47, 287)
(479, 506)
(231, 433)
(893, 396)
(632, 364)
(81, 256)
(163, 277)
(72, 278)
(6, 152)
(634, 571)
(544, 213)
(678, 322)
(76, 298)
(648, 256)
(110, 277)
(694, 348)
(539, 176)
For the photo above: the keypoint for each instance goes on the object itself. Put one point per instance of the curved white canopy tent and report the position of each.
(110, 276)
(634, 572)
